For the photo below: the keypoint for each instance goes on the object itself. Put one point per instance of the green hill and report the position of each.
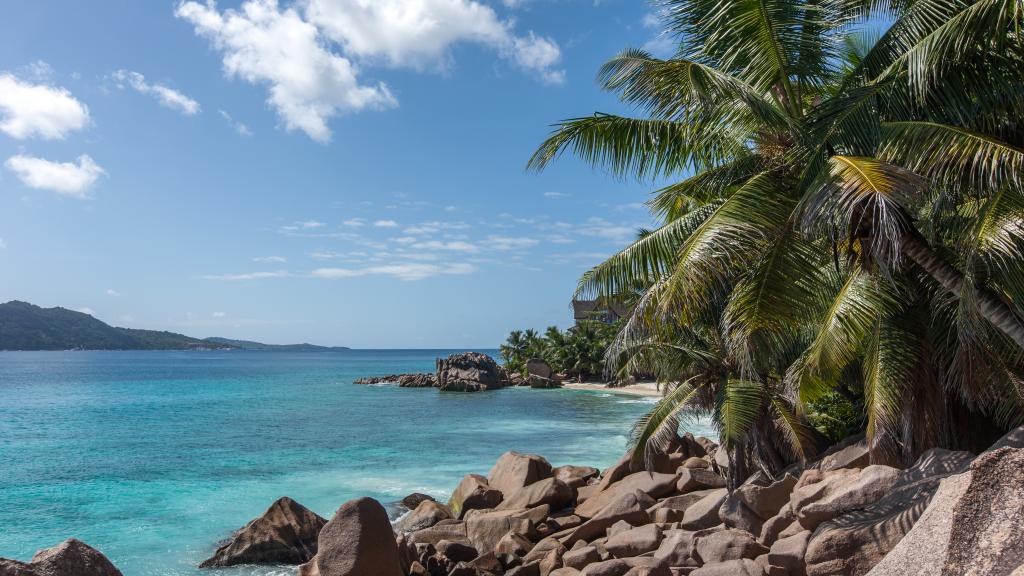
(250, 345)
(25, 326)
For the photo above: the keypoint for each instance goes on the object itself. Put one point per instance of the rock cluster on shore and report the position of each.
(471, 372)
(950, 513)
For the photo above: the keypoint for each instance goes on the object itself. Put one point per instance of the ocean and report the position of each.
(155, 457)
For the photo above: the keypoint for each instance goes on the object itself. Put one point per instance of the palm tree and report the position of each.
(850, 217)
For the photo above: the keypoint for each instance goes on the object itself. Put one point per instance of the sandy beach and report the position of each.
(638, 389)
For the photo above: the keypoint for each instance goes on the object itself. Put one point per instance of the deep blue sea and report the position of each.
(154, 457)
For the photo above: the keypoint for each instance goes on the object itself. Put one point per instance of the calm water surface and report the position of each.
(153, 457)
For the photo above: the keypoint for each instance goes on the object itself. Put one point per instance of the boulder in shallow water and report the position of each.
(468, 372)
(413, 500)
(285, 534)
(358, 541)
(69, 558)
(538, 367)
(425, 515)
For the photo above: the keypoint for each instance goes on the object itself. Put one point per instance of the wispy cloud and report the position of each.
(112, 292)
(166, 96)
(270, 259)
(556, 195)
(302, 225)
(248, 276)
(407, 271)
(385, 224)
(239, 127)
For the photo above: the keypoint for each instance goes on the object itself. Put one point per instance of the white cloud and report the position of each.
(354, 223)
(405, 271)
(264, 44)
(87, 310)
(421, 33)
(239, 127)
(556, 195)
(38, 111)
(112, 292)
(457, 246)
(167, 97)
(505, 243)
(270, 259)
(3, 244)
(302, 225)
(248, 276)
(219, 314)
(386, 224)
(601, 228)
(64, 178)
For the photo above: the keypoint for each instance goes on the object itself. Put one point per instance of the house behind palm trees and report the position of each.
(601, 310)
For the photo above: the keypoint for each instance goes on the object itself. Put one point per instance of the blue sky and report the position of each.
(344, 172)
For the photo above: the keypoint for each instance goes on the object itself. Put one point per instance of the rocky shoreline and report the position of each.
(951, 513)
(472, 372)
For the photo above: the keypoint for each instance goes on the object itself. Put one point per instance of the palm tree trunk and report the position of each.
(992, 307)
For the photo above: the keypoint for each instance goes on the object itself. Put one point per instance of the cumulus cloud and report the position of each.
(263, 43)
(112, 292)
(354, 223)
(73, 179)
(404, 271)
(167, 97)
(248, 276)
(302, 225)
(386, 224)
(38, 111)
(420, 33)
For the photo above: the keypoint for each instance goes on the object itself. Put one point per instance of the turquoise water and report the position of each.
(153, 457)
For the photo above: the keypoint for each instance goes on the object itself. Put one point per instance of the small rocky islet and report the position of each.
(950, 513)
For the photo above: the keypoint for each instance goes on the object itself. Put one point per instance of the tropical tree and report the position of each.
(847, 216)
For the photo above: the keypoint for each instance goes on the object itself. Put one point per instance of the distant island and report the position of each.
(25, 326)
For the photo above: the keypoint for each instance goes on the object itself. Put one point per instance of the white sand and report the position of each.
(638, 389)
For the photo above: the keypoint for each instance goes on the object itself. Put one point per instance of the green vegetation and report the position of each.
(846, 215)
(577, 352)
(24, 326)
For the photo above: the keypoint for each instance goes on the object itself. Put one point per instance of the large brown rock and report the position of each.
(675, 547)
(426, 514)
(285, 534)
(630, 508)
(724, 545)
(358, 541)
(622, 566)
(973, 526)
(513, 471)
(486, 529)
(691, 479)
(653, 484)
(468, 372)
(69, 558)
(742, 567)
(734, 513)
(855, 455)
(855, 542)
(766, 501)
(440, 531)
(841, 491)
(704, 513)
(473, 493)
(575, 476)
(789, 553)
(635, 541)
(550, 491)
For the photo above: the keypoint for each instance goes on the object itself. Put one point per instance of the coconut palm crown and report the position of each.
(847, 217)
